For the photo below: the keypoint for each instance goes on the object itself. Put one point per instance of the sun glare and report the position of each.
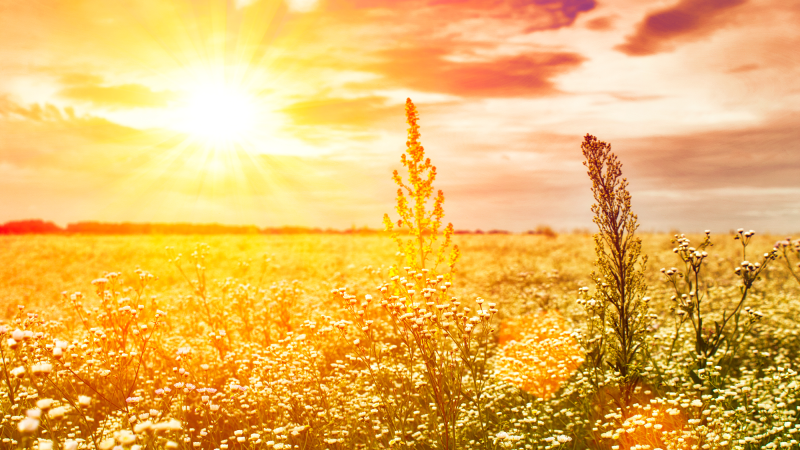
(218, 114)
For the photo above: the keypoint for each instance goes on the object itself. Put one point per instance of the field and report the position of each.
(253, 350)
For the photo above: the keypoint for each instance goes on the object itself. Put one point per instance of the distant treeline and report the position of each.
(540, 230)
(38, 226)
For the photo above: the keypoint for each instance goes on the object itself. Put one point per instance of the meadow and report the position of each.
(414, 340)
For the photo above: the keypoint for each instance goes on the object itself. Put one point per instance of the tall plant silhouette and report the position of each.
(619, 304)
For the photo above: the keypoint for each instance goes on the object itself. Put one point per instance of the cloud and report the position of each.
(634, 97)
(686, 21)
(35, 112)
(604, 23)
(45, 136)
(341, 112)
(427, 69)
(121, 96)
(765, 156)
(302, 5)
(744, 68)
(536, 15)
(73, 79)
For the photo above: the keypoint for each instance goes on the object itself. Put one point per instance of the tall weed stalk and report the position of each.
(444, 344)
(618, 308)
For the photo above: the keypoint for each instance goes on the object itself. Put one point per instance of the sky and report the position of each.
(291, 112)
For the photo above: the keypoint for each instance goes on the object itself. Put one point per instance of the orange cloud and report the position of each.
(604, 23)
(427, 69)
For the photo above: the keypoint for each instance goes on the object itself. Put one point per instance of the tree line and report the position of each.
(39, 226)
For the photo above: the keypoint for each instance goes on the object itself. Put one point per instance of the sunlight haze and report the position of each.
(274, 113)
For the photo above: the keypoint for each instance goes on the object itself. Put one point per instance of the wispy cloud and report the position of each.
(535, 15)
(341, 112)
(121, 96)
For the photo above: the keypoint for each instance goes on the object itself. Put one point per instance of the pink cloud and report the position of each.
(688, 20)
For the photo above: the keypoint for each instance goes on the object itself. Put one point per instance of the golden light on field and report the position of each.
(537, 353)
(219, 114)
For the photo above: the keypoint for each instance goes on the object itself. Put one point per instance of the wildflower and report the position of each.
(44, 403)
(126, 437)
(41, 368)
(28, 425)
(106, 444)
(168, 425)
(84, 400)
(57, 413)
(143, 426)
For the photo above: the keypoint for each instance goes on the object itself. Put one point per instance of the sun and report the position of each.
(218, 114)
